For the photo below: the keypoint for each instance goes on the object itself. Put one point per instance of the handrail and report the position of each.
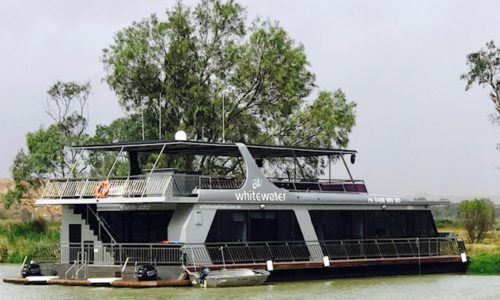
(280, 251)
(24, 262)
(73, 266)
(83, 265)
(164, 185)
(124, 266)
(101, 224)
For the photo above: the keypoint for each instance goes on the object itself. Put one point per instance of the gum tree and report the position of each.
(182, 67)
(45, 156)
(484, 70)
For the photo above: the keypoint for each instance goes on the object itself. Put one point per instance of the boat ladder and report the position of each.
(80, 263)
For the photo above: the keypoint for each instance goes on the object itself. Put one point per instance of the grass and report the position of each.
(18, 237)
(485, 264)
(484, 257)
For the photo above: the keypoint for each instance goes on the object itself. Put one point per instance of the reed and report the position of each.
(17, 237)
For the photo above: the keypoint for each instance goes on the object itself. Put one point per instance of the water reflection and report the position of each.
(394, 287)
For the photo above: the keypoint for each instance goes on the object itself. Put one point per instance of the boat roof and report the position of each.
(214, 149)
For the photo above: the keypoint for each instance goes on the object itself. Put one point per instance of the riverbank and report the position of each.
(485, 257)
(17, 237)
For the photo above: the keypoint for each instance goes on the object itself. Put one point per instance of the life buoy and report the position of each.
(102, 189)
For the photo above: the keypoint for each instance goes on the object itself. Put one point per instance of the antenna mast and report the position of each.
(142, 119)
(223, 121)
(159, 112)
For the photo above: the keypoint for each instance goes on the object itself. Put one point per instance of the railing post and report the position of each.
(152, 169)
(44, 190)
(167, 185)
(417, 241)
(290, 251)
(345, 250)
(395, 248)
(120, 252)
(378, 247)
(151, 253)
(362, 249)
(83, 188)
(125, 186)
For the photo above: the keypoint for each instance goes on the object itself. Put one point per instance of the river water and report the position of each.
(388, 288)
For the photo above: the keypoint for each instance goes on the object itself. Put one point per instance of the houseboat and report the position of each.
(256, 203)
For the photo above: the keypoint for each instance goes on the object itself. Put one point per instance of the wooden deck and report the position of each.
(111, 283)
(342, 263)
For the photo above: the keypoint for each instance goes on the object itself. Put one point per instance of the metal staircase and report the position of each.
(79, 265)
(98, 225)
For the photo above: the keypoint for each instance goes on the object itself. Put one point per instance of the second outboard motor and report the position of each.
(147, 273)
(31, 269)
(204, 274)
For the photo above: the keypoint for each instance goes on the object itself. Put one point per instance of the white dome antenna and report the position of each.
(180, 136)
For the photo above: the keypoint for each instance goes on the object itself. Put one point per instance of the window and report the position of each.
(372, 224)
(138, 226)
(254, 225)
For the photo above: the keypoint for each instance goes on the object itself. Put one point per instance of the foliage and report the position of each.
(448, 211)
(485, 71)
(485, 263)
(121, 129)
(478, 217)
(195, 69)
(45, 155)
(18, 238)
(184, 68)
(446, 224)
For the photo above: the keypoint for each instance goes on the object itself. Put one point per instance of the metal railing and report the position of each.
(155, 185)
(259, 252)
(181, 185)
(322, 185)
(101, 223)
(252, 252)
(118, 253)
(80, 263)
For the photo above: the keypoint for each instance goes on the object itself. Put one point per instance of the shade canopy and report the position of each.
(213, 149)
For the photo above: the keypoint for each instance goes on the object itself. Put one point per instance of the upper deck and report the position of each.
(172, 185)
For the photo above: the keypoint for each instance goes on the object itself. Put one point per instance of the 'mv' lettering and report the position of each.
(260, 197)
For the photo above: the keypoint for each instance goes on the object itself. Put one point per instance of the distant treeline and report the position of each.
(450, 211)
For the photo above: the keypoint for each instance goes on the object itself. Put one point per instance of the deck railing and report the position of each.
(181, 185)
(259, 252)
(251, 252)
(155, 185)
(322, 185)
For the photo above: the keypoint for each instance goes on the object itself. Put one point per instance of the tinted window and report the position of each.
(138, 226)
(254, 225)
(372, 224)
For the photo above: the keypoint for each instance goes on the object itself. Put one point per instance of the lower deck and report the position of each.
(173, 274)
(285, 260)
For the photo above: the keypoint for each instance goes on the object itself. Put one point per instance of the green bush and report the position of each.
(18, 239)
(485, 263)
(446, 223)
(39, 225)
(4, 252)
(477, 217)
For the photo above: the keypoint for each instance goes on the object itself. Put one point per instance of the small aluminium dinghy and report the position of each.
(228, 277)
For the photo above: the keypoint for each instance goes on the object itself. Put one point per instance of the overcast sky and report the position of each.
(418, 132)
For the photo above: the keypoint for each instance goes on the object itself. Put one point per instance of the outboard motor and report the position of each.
(31, 269)
(204, 274)
(147, 273)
